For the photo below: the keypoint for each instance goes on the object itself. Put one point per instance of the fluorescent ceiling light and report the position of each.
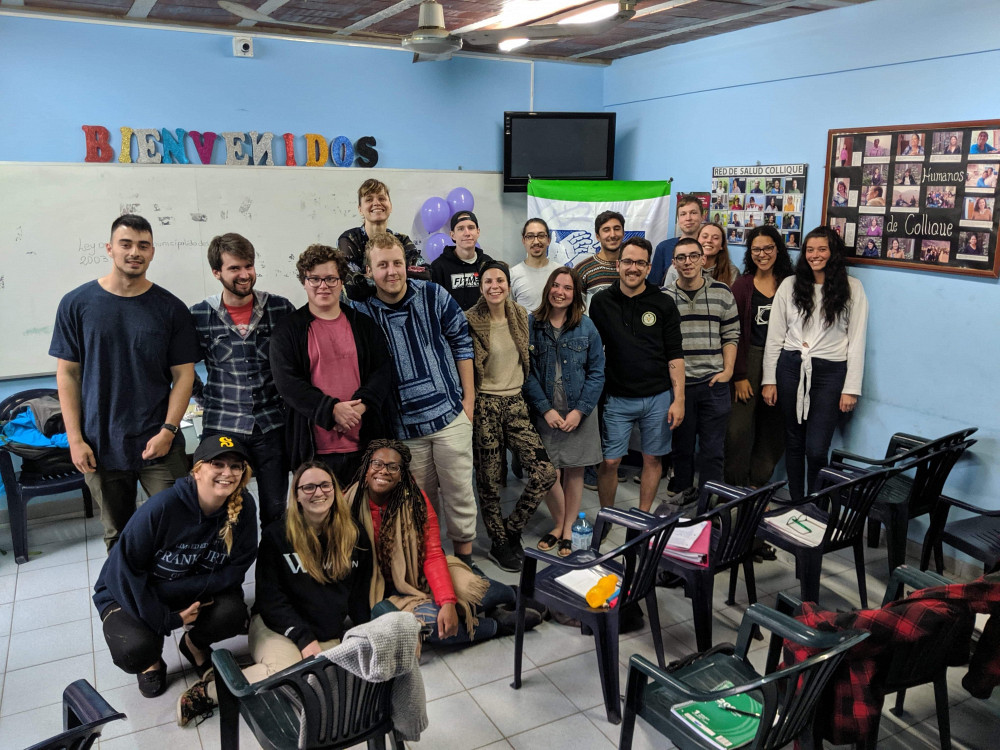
(594, 14)
(511, 44)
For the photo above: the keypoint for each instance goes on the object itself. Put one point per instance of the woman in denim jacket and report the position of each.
(562, 389)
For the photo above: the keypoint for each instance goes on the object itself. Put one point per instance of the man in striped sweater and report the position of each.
(431, 348)
(710, 326)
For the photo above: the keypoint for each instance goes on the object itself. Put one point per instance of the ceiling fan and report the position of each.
(432, 41)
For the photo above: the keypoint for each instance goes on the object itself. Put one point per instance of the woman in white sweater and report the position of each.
(814, 357)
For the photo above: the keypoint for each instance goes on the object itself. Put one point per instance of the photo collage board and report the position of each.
(916, 196)
(748, 197)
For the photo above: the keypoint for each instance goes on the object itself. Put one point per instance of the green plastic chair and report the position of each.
(788, 696)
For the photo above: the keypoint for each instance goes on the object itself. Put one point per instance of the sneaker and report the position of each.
(514, 542)
(630, 618)
(506, 558)
(506, 619)
(195, 702)
(152, 684)
(590, 478)
(622, 475)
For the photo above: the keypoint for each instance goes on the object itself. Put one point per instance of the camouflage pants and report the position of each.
(501, 422)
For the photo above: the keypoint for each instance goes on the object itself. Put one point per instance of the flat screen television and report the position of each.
(557, 146)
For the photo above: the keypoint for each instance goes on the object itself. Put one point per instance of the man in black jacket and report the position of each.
(332, 367)
(644, 359)
(457, 268)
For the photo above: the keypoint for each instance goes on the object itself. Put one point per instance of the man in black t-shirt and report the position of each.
(125, 351)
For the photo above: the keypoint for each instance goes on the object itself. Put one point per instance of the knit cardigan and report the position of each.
(479, 327)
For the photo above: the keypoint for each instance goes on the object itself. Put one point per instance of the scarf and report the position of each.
(479, 326)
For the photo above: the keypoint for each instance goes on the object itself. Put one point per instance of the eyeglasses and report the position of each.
(310, 489)
(533, 237)
(629, 262)
(236, 467)
(693, 257)
(316, 281)
(378, 465)
(766, 250)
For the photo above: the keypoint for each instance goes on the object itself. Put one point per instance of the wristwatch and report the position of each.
(172, 427)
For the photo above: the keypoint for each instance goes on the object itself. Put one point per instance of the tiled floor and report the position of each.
(50, 636)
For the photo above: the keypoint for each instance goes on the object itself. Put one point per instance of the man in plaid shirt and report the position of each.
(234, 331)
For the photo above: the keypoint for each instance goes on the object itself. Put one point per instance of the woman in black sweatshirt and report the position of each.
(313, 572)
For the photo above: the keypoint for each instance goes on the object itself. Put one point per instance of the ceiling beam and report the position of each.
(374, 18)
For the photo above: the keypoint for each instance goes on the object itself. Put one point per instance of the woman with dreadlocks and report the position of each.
(410, 571)
(181, 560)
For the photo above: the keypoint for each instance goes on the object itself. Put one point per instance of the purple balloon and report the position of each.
(434, 213)
(460, 199)
(435, 245)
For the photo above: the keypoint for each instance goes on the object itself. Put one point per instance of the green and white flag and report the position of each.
(569, 207)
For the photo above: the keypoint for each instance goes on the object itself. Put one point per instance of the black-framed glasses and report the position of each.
(317, 281)
(693, 257)
(533, 237)
(766, 250)
(237, 467)
(629, 262)
(392, 467)
(310, 489)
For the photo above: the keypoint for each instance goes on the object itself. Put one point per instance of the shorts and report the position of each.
(649, 412)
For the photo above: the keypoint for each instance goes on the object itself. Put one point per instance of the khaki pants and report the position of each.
(272, 652)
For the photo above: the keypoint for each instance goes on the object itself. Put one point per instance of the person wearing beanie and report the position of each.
(457, 268)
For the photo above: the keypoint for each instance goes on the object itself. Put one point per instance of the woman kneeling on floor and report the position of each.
(313, 571)
(180, 561)
(410, 571)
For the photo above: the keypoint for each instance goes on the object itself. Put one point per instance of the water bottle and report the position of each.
(602, 591)
(583, 532)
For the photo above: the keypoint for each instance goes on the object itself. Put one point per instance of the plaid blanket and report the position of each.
(853, 700)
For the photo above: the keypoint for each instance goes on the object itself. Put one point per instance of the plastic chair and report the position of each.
(734, 529)
(24, 486)
(842, 504)
(905, 497)
(906, 665)
(978, 536)
(645, 537)
(788, 696)
(85, 712)
(331, 707)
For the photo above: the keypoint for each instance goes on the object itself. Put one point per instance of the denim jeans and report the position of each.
(270, 468)
(808, 443)
(706, 414)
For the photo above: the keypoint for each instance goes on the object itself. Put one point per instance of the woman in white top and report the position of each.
(814, 357)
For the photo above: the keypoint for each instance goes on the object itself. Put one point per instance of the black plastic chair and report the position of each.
(734, 528)
(788, 696)
(24, 486)
(842, 504)
(646, 536)
(978, 535)
(905, 497)
(85, 712)
(330, 707)
(906, 665)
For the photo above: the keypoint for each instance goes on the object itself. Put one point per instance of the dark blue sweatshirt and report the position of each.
(169, 555)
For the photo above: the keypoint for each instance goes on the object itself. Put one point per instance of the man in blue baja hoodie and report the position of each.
(180, 561)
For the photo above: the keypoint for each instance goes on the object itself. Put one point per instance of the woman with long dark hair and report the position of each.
(499, 329)
(563, 388)
(814, 357)
(755, 438)
(410, 571)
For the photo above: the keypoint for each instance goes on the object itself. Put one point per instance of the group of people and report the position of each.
(388, 396)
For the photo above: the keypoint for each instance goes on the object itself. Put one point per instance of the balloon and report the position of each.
(434, 246)
(460, 199)
(434, 213)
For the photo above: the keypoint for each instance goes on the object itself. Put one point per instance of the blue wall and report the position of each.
(770, 94)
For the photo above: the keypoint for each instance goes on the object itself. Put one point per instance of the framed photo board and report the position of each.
(751, 196)
(916, 196)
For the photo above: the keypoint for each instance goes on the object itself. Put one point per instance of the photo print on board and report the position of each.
(973, 246)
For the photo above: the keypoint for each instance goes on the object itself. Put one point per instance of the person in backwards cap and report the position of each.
(457, 268)
(180, 561)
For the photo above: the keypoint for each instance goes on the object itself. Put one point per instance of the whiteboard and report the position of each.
(56, 218)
